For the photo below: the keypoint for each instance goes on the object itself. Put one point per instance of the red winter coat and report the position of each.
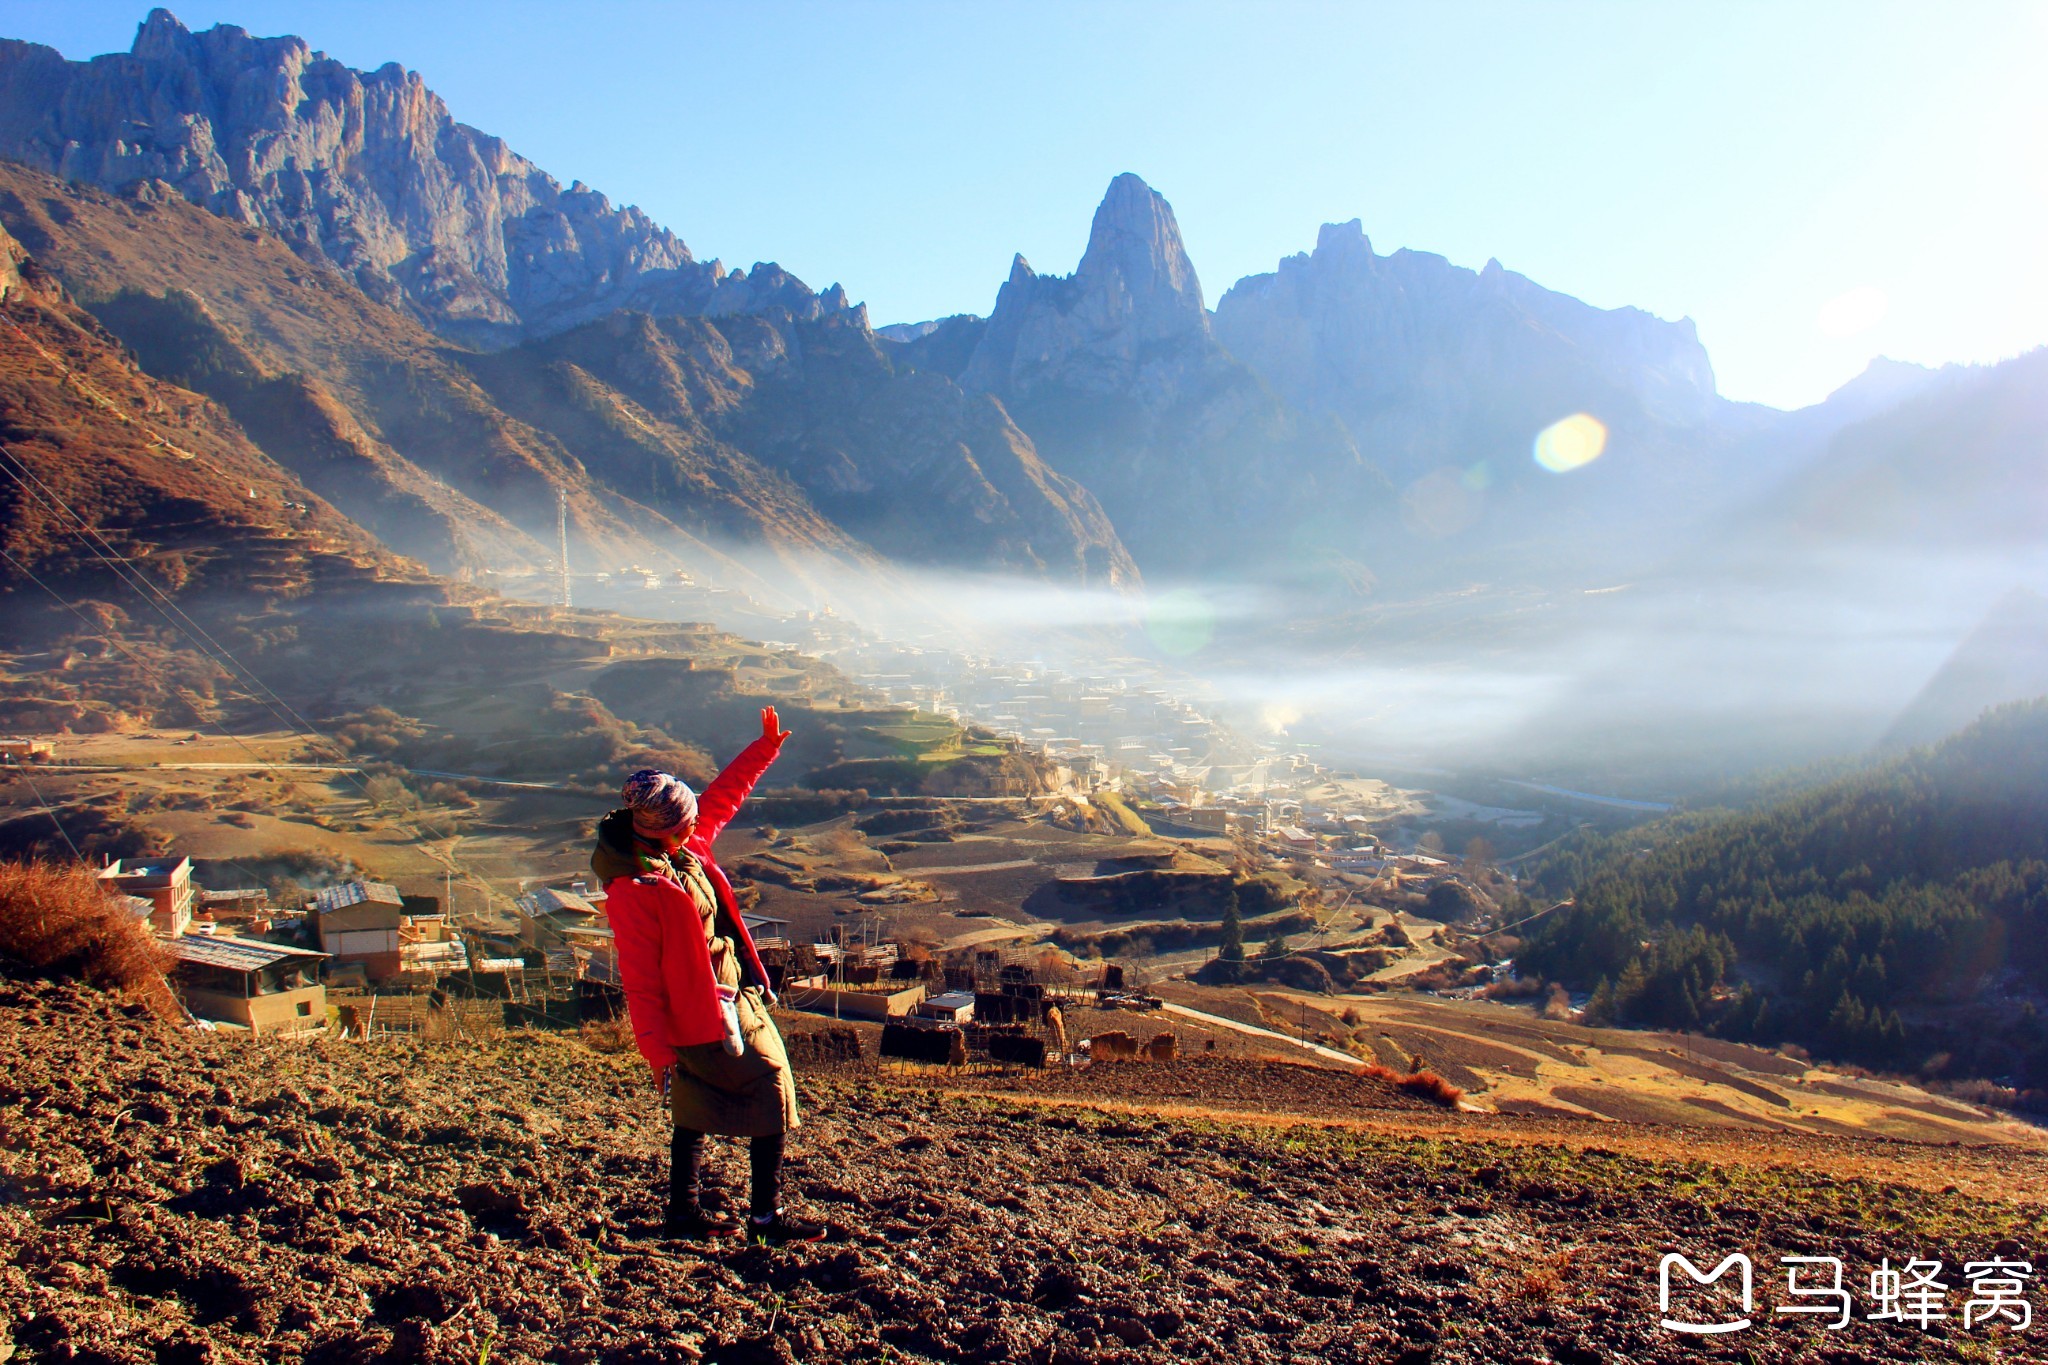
(664, 962)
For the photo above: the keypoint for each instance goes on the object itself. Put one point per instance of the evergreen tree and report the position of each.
(1629, 991)
(1232, 947)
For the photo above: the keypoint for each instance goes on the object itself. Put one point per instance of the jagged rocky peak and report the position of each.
(1135, 287)
(1135, 243)
(364, 170)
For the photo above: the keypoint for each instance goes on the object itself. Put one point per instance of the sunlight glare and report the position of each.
(1571, 443)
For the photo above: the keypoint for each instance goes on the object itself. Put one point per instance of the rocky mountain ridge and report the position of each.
(1352, 418)
(681, 442)
(1417, 356)
(367, 171)
(1114, 373)
(1349, 436)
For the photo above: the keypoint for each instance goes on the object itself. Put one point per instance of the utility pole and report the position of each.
(562, 541)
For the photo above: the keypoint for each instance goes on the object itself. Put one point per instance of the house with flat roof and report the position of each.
(166, 884)
(243, 983)
(952, 1007)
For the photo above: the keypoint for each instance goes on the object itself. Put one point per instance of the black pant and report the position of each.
(686, 1171)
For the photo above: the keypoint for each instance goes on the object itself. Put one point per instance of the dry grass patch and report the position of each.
(58, 919)
(609, 1037)
(1423, 1084)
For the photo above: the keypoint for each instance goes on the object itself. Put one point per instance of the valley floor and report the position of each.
(190, 1197)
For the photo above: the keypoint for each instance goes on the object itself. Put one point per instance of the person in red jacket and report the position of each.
(695, 988)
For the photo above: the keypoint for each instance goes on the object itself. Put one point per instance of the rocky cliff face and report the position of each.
(1116, 377)
(366, 170)
(906, 462)
(1427, 363)
(1129, 318)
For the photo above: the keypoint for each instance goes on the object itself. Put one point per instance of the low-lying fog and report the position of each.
(1641, 686)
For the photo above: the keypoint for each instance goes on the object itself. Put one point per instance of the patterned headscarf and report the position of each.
(661, 803)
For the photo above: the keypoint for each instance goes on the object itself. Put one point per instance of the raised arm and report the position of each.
(720, 801)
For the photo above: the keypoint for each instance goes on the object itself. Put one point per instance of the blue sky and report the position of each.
(1812, 183)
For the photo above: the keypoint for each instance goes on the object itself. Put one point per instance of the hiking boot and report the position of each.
(695, 1225)
(780, 1231)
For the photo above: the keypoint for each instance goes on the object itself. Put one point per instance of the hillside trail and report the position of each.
(1237, 1026)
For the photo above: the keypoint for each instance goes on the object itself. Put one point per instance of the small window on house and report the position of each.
(305, 1007)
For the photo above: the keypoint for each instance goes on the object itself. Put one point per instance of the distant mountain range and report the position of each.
(439, 341)
(368, 172)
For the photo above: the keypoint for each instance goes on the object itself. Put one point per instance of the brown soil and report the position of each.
(181, 1196)
(1215, 1083)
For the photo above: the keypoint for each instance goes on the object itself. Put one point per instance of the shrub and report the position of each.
(611, 1037)
(1426, 1084)
(57, 919)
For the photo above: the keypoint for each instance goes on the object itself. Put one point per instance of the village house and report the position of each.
(953, 1007)
(243, 983)
(166, 885)
(767, 931)
(1210, 819)
(359, 926)
(247, 910)
(595, 953)
(429, 948)
(25, 751)
(547, 913)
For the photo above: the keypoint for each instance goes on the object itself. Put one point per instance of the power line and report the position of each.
(165, 605)
(158, 600)
(154, 596)
(161, 601)
(115, 642)
(51, 811)
(1501, 929)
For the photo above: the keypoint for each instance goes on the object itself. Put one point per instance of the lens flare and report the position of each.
(1180, 622)
(1571, 443)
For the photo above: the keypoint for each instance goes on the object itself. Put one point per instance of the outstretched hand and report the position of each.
(771, 725)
